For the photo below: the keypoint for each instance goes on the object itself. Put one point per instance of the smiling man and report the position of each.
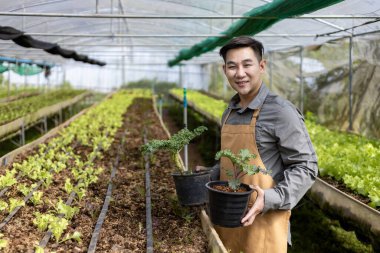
(273, 129)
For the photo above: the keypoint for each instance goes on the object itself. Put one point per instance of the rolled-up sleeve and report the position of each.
(298, 158)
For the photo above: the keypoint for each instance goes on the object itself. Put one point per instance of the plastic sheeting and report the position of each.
(325, 77)
(158, 50)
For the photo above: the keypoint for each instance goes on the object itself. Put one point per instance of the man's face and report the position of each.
(244, 71)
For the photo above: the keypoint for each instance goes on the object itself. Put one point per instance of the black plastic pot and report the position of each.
(191, 189)
(226, 209)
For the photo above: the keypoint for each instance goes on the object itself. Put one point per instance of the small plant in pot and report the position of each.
(228, 200)
(189, 185)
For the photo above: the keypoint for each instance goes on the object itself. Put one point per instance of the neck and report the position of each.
(246, 99)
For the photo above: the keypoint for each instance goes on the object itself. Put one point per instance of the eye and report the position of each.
(247, 65)
(231, 67)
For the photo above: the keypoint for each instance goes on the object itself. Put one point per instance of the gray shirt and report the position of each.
(284, 146)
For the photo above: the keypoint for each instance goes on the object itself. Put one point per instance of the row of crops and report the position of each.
(67, 160)
(13, 91)
(21, 107)
(83, 189)
(351, 159)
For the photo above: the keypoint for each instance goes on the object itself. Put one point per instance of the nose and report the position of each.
(240, 72)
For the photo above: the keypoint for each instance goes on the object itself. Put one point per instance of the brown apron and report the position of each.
(269, 231)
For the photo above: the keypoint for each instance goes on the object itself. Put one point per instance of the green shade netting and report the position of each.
(23, 69)
(277, 11)
(26, 70)
(3, 68)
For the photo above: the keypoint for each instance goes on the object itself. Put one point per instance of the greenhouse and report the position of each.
(108, 108)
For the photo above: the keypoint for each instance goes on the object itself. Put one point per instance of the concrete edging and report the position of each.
(9, 157)
(351, 213)
(15, 125)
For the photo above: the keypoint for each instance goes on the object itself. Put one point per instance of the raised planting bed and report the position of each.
(19, 96)
(212, 109)
(27, 148)
(175, 229)
(24, 121)
(352, 214)
(321, 192)
(13, 94)
(69, 155)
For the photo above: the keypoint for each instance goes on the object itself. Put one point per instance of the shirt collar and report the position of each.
(256, 103)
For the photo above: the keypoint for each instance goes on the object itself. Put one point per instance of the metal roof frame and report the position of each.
(51, 20)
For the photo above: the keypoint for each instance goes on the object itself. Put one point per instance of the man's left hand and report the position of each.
(257, 207)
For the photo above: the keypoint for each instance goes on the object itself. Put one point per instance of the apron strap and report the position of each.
(254, 117)
(253, 121)
(228, 114)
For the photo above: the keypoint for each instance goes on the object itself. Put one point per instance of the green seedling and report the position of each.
(174, 144)
(241, 166)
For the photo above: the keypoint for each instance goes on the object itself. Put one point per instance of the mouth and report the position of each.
(241, 83)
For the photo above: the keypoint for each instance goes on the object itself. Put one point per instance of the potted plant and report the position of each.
(228, 200)
(189, 185)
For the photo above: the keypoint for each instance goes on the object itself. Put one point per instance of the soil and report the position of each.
(225, 188)
(342, 187)
(175, 228)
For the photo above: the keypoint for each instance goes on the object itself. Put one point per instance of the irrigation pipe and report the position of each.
(69, 201)
(48, 234)
(148, 201)
(107, 200)
(27, 197)
(14, 211)
(19, 175)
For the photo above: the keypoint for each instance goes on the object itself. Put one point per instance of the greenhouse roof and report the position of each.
(154, 31)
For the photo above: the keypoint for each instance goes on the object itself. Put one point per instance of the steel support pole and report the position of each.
(301, 81)
(22, 134)
(160, 106)
(350, 127)
(270, 70)
(112, 16)
(232, 10)
(9, 81)
(123, 69)
(45, 124)
(45, 86)
(57, 76)
(185, 126)
(3, 81)
(178, 35)
(225, 87)
(185, 149)
(38, 80)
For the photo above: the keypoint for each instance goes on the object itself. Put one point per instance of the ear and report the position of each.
(224, 68)
(263, 65)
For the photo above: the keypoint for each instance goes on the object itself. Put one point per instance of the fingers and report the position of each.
(257, 207)
(249, 217)
(200, 168)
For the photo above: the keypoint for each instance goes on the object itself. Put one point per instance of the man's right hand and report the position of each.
(214, 172)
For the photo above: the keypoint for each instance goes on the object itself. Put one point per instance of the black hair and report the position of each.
(243, 41)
